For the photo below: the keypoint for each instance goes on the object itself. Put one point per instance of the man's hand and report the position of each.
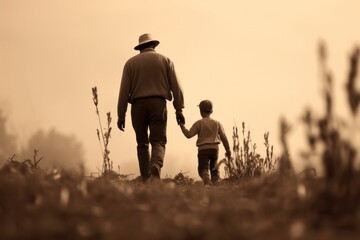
(121, 124)
(180, 117)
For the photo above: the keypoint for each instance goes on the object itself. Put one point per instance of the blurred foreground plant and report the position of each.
(103, 137)
(327, 138)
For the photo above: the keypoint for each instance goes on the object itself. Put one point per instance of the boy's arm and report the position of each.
(189, 133)
(224, 140)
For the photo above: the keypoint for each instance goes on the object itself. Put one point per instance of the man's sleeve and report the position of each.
(123, 93)
(175, 87)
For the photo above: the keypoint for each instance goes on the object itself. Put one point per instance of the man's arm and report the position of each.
(123, 98)
(175, 87)
(177, 93)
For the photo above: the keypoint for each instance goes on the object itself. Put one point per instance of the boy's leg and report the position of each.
(213, 155)
(203, 166)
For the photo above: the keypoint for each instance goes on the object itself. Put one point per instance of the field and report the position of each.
(260, 197)
(60, 205)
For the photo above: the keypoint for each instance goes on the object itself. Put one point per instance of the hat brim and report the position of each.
(155, 41)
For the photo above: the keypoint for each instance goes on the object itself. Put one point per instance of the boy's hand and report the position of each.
(228, 154)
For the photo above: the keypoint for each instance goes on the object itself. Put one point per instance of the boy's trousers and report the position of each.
(207, 160)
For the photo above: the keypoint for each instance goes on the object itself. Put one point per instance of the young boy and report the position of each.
(210, 133)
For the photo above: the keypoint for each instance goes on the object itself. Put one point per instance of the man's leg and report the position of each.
(139, 117)
(157, 159)
(157, 125)
(144, 161)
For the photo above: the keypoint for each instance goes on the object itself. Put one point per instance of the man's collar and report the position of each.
(148, 50)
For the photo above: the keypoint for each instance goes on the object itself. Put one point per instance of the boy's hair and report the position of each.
(208, 112)
(206, 106)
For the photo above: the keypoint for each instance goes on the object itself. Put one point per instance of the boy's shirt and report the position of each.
(210, 133)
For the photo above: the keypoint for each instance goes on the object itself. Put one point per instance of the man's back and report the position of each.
(148, 74)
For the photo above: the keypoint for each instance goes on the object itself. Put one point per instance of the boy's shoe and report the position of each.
(216, 181)
(207, 181)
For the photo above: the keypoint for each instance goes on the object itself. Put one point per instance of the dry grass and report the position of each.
(247, 163)
(104, 138)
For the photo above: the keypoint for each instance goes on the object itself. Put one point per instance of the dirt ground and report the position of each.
(60, 205)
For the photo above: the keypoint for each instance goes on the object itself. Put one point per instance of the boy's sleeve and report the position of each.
(223, 138)
(189, 133)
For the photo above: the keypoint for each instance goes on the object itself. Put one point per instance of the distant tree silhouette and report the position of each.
(57, 150)
(7, 140)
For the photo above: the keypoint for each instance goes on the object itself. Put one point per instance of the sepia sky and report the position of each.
(256, 60)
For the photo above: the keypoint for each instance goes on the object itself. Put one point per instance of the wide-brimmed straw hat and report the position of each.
(145, 38)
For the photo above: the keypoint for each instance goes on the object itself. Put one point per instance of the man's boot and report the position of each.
(144, 161)
(157, 159)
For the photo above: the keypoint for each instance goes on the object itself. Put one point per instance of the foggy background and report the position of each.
(256, 60)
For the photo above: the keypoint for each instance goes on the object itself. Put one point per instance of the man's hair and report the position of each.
(147, 45)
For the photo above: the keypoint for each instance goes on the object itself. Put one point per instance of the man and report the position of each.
(148, 80)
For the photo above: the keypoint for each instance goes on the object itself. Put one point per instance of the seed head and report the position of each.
(95, 95)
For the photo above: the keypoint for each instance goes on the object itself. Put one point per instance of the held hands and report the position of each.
(228, 154)
(121, 124)
(180, 119)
